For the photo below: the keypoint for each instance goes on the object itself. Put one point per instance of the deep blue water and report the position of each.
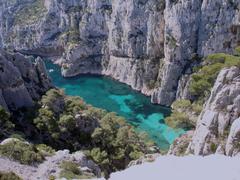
(106, 93)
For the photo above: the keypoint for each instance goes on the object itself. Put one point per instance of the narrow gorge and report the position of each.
(150, 45)
(167, 68)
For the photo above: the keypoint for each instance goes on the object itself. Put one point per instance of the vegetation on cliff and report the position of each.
(31, 13)
(67, 121)
(186, 112)
(9, 176)
(205, 76)
(21, 151)
(6, 126)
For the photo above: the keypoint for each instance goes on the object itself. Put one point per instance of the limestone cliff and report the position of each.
(146, 44)
(22, 80)
(218, 129)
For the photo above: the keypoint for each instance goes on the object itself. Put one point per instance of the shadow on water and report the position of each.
(106, 93)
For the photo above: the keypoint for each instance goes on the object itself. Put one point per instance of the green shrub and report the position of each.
(6, 126)
(111, 142)
(184, 114)
(31, 13)
(74, 104)
(45, 150)
(116, 144)
(70, 170)
(21, 151)
(196, 108)
(51, 177)
(182, 104)
(179, 120)
(67, 123)
(237, 51)
(9, 176)
(18, 135)
(203, 80)
(213, 147)
(71, 166)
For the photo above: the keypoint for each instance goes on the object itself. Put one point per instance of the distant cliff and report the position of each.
(146, 44)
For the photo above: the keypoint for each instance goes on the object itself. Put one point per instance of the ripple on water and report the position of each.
(103, 92)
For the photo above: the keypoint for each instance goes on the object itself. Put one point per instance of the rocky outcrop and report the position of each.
(51, 166)
(146, 44)
(146, 158)
(136, 42)
(232, 144)
(22, 80)
(218, 127)
(180, 145)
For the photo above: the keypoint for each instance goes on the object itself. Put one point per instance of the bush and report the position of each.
(184, 114)
(9, 176)
(21, 151)
(70, 170)
(6, 126)
(116, 144)
(45, 150)
(110, 141)
(179, 120)
(203, 80)
(213, 147)
(30, 13)
(182, 104)
(67, 123)
(237, 51)
(18, 135)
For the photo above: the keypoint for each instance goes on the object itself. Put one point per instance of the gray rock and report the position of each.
(232, 145)
(21, 81)
(145, 44)
(180, 145)
(219, 115)
(51, 166)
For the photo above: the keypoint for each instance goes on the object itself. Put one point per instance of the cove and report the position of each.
(106, 93)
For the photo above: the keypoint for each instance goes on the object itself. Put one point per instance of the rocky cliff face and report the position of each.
(218, 128)
(22, 80)
(146, 44)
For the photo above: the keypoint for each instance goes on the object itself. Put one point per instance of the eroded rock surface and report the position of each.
(50, 167)
(22, 80)
(218, 125)
(146, 44)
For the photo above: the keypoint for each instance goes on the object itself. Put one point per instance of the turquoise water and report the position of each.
(106, 93)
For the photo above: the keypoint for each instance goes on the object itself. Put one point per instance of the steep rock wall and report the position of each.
(146, 44)
(21, 80)
(218, 129)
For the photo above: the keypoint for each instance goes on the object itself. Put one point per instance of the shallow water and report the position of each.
(106, 93)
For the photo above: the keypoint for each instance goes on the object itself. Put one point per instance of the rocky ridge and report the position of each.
(146, 44)
(50, 167)
(22, 80)
(218, 129)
